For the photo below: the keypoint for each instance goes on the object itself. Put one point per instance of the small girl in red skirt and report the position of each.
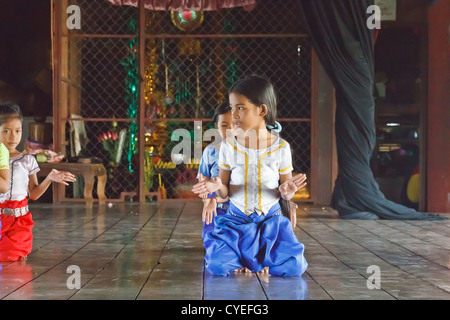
(16, 237)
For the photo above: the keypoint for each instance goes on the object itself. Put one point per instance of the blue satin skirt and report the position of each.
(255, 242)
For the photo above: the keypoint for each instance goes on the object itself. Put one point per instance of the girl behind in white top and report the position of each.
(254, 235)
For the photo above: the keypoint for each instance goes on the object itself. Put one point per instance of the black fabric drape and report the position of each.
(344, 46)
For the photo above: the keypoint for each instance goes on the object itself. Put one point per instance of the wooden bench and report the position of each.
(88, 170)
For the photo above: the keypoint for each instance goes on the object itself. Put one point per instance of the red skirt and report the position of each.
(16, 238)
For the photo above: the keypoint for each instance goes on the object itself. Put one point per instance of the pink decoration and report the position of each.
(250, 7)
(186, 5)
(187, 15)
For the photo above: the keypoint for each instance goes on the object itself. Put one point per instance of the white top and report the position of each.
(21, 167)
(255, 173)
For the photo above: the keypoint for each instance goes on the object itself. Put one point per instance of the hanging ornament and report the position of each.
(187, 20)
(132, 83)
(151, 70)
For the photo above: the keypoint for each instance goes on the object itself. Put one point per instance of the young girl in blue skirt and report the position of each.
(209, 168)
(255, 171)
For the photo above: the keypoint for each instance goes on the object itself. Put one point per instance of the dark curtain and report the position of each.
(344, 45)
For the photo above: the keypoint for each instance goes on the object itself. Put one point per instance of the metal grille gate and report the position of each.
(186, 75)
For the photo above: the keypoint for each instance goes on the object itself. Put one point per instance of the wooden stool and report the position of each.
(88, 170)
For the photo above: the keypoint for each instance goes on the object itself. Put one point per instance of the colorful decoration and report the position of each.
(206, 5)
(113, 143)
(132, 85)
(156, 101)
(150, 72)
(187, 20)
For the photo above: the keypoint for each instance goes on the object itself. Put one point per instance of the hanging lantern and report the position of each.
(187, 20)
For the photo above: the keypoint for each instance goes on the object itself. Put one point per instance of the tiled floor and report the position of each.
(154, 251)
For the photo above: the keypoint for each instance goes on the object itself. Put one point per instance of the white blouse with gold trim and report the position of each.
(21, 167)
(255, 173)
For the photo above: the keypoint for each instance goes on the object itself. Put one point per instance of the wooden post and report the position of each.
(141, 114)
(58, 101)
(323, 158)
(438, 111)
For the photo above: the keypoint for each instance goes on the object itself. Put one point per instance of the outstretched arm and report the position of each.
(36, 189)
(209, 209)
(217, 184)
(288, 185)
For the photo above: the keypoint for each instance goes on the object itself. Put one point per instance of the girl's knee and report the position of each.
(294, 267)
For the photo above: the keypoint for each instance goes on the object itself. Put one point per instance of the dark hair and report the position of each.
(9, 110)
(258, 90)
(221, 109)
(285, 206)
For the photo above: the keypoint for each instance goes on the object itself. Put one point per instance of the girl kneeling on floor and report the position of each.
(16, 237)
(254, 171)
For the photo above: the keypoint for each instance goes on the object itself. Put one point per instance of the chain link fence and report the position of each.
(190, 61)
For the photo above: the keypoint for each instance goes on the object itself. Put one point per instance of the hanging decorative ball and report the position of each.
(187, 20)
(187, 15)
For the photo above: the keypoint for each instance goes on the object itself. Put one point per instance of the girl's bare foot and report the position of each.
(264, 271)
(246, 270)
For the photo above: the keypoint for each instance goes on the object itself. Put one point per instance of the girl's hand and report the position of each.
(209, 210)
(61, 177)
(288, 188)
(204, 196)
(206, 185)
